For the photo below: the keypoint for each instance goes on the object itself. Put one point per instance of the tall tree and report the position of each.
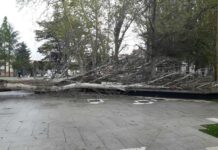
(124, 14)
(216, 75)
(105, 23)
(22, 59)
(64, 34)
(76, 30)
(8, 44)
(178, 29)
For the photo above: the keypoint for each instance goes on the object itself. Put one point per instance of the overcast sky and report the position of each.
(24, 21)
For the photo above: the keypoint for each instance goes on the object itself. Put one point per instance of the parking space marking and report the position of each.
(213, 119)
(143, 102)
(95, 101)
(212, 148)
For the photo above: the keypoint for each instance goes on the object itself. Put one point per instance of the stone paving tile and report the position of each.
(56, 123)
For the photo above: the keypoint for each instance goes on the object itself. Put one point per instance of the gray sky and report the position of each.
(23, 21)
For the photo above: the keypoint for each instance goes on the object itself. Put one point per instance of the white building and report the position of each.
(8, 73)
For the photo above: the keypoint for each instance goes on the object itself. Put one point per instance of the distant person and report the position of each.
(19, 73)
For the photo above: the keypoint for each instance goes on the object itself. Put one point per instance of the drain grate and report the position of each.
(95, 101)
(142, 102)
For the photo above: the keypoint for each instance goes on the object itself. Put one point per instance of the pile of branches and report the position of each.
(130, 72)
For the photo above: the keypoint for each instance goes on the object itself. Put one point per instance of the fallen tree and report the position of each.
(129, 71)
(85, 74)
(92, 86)
(20, 86)
(179, 80)
(162, 77)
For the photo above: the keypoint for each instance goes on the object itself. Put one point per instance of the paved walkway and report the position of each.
(57, 123)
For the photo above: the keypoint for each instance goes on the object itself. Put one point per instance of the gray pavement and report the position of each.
(71, 123)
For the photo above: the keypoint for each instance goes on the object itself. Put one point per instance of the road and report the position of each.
(42, 122)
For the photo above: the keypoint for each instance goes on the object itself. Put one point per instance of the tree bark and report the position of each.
(9, 63)
(20, 86)
(216, 66)
(93, 86)
(153, 38)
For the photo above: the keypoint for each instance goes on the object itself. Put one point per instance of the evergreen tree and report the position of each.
(8, 43)
(22, 59)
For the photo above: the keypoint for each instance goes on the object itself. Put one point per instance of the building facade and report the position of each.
(7, 73)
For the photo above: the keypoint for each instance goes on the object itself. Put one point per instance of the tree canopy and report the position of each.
(10, 49)
(92, 32)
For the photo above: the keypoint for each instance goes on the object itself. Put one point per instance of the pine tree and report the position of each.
(8, 43)
(22, 59)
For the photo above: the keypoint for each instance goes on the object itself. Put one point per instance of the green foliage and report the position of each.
(211, 129)
(12, 53)
(22, 58)
(185, 30)
(75, 32)
(8, 41)
(87, 30)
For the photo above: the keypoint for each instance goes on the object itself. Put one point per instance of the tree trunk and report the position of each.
(188, 67)
(94, 57)
(153, 68)
(109, 27)
(116, 55)
(81, 66)
(153, 38)
(9, 64)
(117, 39)
(216, 66)
(5, 61)
(5, 67)
(20, 86)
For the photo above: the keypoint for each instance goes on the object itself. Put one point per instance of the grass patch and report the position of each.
(210, 129)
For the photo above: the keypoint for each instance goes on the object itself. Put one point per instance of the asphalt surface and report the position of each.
(33, 122)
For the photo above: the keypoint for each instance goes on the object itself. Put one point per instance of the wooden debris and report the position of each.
(178, 80)
(19, 86)
(165, 76)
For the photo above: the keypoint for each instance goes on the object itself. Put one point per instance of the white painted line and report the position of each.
(213, 120)
(212, 148)
(95, 101)
(142, 148)
(143, 102)
(201, 101)
(149, 103)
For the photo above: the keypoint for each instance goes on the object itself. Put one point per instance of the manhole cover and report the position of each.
(95, 101)
(142, 102)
